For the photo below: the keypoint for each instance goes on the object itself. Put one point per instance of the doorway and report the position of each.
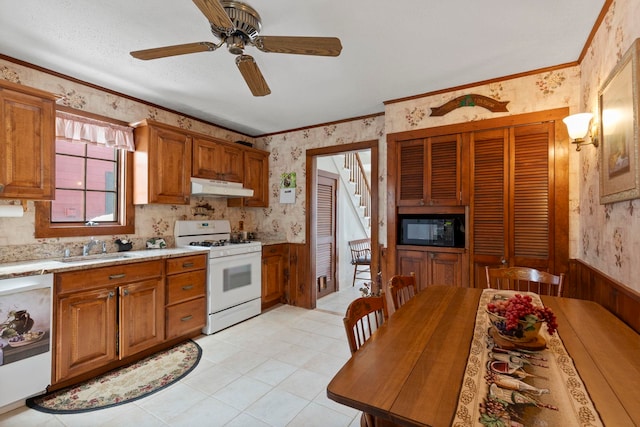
(313, 202)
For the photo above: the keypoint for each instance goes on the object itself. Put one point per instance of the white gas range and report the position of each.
(234, 280)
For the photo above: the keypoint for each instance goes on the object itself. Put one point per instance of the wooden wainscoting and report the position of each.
(585, 282)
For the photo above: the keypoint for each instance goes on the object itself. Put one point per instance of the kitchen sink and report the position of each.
(94, 258)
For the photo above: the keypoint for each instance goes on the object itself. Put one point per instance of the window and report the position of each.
(93, 181)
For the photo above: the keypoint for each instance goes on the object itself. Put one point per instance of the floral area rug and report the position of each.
(123, 385)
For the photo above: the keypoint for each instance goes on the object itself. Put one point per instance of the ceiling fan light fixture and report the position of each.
(235, 45)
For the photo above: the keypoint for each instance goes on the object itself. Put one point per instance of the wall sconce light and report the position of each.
(579, 127)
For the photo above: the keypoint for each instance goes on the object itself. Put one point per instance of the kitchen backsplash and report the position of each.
(17, 242)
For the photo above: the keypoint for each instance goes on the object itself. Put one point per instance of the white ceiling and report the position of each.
(391, 49)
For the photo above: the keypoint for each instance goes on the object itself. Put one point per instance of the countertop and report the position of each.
(56, 265)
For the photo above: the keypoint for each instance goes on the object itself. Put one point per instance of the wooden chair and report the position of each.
(402, 288)
(363, 317)
(525, 279)
(361, 259)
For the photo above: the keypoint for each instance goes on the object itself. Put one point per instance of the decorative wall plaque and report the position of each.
(471, 100)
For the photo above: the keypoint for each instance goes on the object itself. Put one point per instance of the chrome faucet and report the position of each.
(92, 242)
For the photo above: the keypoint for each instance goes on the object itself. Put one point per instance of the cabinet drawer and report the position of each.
(186, 317)
(186, 263)
(112, 275)
(277, 249)
(181, 287)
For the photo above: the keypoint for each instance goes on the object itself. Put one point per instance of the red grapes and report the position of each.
(520, 308)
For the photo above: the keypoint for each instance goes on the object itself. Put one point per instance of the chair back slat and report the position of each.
(363, 317)
(402, 288)
(525, 279)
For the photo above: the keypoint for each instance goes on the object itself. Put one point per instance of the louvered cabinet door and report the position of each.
(489, 208)
(411, 167)
(532, 182)
(443, 179)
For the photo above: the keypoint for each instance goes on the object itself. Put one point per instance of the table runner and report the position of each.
(567, 392)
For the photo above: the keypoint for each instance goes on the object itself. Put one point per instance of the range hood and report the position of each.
(214, 188)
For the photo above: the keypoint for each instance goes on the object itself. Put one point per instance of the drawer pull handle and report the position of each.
(186, 318)
(187, 264)
(116, 276)
(187, 288)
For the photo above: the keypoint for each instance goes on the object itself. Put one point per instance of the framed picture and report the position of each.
(618, 99)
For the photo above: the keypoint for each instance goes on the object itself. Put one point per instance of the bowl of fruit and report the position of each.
(516, 318)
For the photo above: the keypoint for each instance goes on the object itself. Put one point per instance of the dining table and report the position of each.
(411, 372)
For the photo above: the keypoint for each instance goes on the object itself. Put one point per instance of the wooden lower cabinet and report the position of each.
(109, 316)
(106, 314)
(275, 273)
(186, 307)
(141, 316)
(85, 332)
(441, 266)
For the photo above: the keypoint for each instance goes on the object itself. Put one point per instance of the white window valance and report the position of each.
(74, 128)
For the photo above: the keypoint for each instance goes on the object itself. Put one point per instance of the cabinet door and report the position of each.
(26, 146)
(170, 174)
(274, 273)
(217, 160)
(86, 332)
(445, 268)
(413, 262)
(162, 163)
(443, 174)
(141, 316)
(412, 160)
(489, 201)
(256, 177)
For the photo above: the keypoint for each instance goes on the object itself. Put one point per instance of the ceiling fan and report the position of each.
(237, 24)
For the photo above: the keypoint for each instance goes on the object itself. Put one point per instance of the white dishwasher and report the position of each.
(25, 338)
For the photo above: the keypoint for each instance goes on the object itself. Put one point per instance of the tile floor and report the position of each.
(271, 370)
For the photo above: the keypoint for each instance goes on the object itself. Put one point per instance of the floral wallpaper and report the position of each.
(288, 154)
(609, 234)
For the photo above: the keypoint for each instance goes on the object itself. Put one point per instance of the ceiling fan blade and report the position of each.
(215, 14)
(252, 75)
(324, 46)
(179, 49)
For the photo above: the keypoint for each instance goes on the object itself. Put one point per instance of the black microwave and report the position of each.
(431, 230)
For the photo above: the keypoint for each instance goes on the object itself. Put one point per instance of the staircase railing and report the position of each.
(353, 163)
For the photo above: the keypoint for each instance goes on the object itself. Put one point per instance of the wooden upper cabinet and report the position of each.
(162, 164)
(429, 171)
(217, 160)
(27, 150)
(256, 177)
